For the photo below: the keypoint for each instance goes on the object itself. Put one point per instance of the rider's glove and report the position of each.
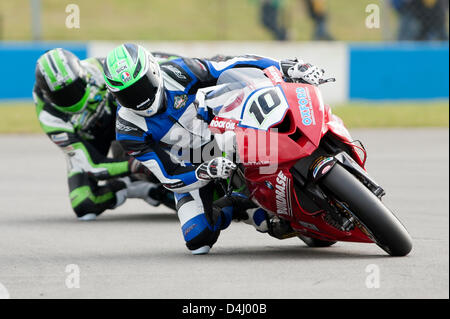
(218, 167)
(307, 72)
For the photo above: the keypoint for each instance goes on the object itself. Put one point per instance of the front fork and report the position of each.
(338, 215)
(323, 165)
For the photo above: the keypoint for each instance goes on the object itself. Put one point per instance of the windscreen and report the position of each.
(232, 87)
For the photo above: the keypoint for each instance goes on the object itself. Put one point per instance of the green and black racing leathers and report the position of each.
(96, 182)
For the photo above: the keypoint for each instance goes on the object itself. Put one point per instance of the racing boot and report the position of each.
(258, 218)
(90, 210)
(246, 211)
(163, 195)
(141, 189)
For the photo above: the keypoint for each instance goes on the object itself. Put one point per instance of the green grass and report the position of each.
(394, 114)
(17, 118)
(181, 20)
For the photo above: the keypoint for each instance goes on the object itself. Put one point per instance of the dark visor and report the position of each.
(68, 95)
(139, 95)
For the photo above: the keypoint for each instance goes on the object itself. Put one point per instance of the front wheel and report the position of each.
(373, 216)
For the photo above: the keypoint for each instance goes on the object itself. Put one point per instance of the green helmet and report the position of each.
(62, 80)
(133, 76)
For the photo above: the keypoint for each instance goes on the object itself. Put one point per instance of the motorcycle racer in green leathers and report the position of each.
(78, 114)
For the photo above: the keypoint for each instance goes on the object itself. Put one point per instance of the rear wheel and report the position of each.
(313, 242)
(373, 216)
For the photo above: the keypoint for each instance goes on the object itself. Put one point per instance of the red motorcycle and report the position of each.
(298, 162)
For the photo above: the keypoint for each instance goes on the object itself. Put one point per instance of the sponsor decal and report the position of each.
(236, 102)
(322, 164)
(58, 138)
(326, 169)
(275, 74)
(257, 163)
(186, 232)
(124, 128)
(175, 71)
(175, 185)
(143, 103)
(125, 76)
(120, 69)
(224, 124)
(133, 153)
(180, 101)
(305, 105)
(283, 195)
(269, 185)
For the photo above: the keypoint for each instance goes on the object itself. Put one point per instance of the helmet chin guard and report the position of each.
(155, 106)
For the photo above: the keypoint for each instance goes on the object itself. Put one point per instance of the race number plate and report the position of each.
(265, 108)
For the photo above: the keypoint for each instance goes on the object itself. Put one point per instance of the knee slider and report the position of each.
(82, 203)
(206, 238)
(85, 207)
(198, 232)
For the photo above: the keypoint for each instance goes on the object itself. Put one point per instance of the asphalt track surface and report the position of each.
(137, 251)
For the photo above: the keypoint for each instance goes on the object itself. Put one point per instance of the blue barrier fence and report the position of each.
(18, 63)
(396, 71)
(399, 71)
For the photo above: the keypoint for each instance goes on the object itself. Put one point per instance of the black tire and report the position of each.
(387, 231)
(313, 242)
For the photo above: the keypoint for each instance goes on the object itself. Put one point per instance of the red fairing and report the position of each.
(313, 117)
(268, 155)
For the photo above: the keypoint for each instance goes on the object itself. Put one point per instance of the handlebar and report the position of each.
(323, 81)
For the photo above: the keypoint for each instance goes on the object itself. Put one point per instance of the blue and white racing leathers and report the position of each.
(156, 141)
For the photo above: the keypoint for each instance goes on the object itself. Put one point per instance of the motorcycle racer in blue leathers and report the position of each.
(157, 113)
